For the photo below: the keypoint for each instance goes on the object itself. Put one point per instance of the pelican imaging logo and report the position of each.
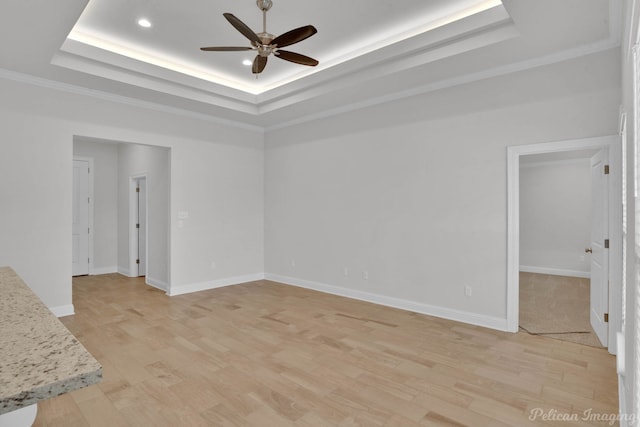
(589, 415)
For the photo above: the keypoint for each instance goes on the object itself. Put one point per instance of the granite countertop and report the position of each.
(39, 357)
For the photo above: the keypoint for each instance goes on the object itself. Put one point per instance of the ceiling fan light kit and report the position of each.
(265, 43)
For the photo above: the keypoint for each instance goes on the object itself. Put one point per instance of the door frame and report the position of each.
(91, 169)
(599, 252)
(615, 227)
(133, 234)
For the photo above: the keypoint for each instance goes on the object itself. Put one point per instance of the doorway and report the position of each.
(116, 170)
(555, 229)
(611, 146)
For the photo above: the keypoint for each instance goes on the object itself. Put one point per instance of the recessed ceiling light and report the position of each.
(247, 62)
(143, 22)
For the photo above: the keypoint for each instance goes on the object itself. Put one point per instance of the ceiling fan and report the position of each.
(266, 44)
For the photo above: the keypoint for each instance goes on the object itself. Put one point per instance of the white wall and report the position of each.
(414, 191)
(154, 163)
(216, 174)
(105, 202)
(34, 214)
(555, 217)
(225, 202)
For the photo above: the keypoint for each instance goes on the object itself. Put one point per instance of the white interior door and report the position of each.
(142, 227)
(80, 218)
(599, 249)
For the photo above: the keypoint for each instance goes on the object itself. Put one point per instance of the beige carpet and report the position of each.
(556, 307)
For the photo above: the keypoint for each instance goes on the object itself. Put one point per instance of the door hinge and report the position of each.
(606, 243)
(137, 225)
(137, 261)
(88, 260)
(88, 231)
(137, 189)
(606, 318)
(606, 169)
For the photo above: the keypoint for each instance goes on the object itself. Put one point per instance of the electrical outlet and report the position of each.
(293, 262)
(365, 275)
(468, 291)
(213, 265)
(346, 271)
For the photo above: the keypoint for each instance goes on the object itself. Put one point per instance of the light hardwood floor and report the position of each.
(266, 354)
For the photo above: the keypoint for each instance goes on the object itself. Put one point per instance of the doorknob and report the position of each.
(588, 250)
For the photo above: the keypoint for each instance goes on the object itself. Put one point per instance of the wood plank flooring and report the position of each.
(267, 354)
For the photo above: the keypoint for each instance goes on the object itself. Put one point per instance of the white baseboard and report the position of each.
(555, 271)
(159, 284)
(124, 272)
(204, 286)
(431, 310)
(63, 310)
(104, 270)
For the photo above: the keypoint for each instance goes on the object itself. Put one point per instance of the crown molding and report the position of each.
(89, 59)
(134, 102)
(614, 40)
(603, 45)
(473, 32)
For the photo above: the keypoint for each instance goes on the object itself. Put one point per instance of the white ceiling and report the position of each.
(369, 51)
(177, 32)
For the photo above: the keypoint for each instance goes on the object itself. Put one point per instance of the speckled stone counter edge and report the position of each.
(39, 357)
(29, 397)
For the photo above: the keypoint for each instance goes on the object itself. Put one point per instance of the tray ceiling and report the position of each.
(369, 51)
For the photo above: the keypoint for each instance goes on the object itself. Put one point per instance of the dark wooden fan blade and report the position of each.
(258, 64)
(225, 49)
(242, 27)
(296, 57)
(294, 36)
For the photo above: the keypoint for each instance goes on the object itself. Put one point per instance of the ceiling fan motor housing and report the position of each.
(265, 38)
(264, 5)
